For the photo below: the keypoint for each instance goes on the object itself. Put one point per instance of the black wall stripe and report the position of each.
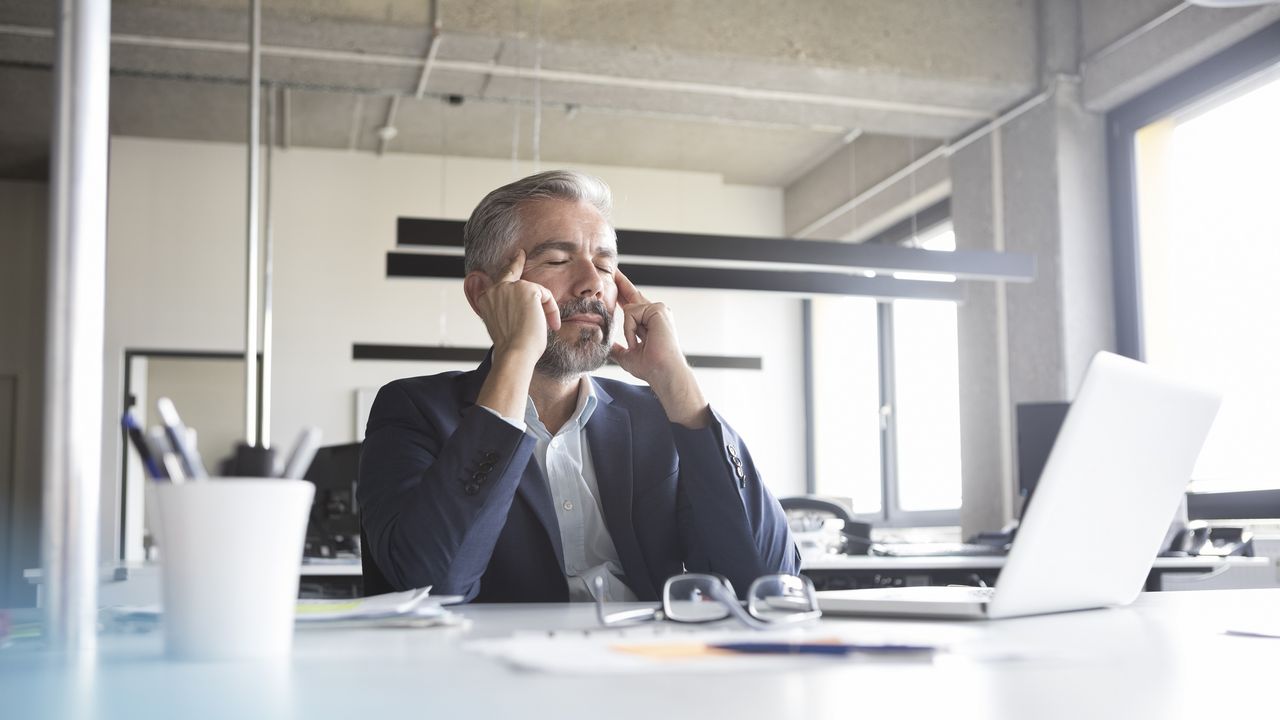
(368, 351)
(365, 351)
(427, 231)
(401, 264)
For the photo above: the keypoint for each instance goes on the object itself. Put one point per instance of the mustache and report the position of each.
(580, 306)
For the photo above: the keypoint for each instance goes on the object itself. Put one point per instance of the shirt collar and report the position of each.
(587, 402)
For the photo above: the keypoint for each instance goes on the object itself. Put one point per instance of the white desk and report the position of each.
(1163, 657)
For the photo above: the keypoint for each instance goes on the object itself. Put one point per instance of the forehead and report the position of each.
(549, 220)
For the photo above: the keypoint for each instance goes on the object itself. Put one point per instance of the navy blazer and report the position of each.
(451, 496)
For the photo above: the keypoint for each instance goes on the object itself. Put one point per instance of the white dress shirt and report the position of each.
(565, 461)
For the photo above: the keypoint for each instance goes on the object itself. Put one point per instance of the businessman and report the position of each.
(527, 479)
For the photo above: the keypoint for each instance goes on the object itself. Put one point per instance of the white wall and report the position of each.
(176, 281)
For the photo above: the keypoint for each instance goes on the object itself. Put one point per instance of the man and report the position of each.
(525, 480)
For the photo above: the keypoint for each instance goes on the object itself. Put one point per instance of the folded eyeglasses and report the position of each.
(772, 600)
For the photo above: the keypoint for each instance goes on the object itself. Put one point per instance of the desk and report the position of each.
(1162, 657)
(839, 572)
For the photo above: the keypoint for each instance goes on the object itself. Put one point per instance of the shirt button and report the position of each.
(568, 505)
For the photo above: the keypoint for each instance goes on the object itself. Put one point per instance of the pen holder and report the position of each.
(231, 552)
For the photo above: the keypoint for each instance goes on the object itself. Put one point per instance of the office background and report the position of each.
(832, 121)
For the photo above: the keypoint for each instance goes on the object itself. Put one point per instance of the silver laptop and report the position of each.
(1109, 490)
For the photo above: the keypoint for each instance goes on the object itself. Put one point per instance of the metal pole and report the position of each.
(77, 282)
(268, 251)
(252, 219)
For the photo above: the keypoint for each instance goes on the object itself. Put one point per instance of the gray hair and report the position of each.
(494, 225)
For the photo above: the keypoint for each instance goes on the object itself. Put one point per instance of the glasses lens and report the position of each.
(694, 598)
(777, 598)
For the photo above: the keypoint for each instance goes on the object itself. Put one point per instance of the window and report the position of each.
(1207, 178)
(886, 403)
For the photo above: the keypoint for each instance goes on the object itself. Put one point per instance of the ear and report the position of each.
(475, 284)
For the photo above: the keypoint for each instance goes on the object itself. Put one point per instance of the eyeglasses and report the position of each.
(698, 598)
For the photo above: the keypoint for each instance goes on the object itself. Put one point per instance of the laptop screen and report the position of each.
(1037, 426)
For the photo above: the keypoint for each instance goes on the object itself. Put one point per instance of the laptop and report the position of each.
(1110, 488)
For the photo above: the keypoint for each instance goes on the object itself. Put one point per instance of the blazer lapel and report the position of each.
(609, 437)
(533, 486)
(535, 491)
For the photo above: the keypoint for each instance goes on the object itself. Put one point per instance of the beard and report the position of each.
(565, 359)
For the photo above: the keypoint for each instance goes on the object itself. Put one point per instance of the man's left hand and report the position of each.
(653, 355)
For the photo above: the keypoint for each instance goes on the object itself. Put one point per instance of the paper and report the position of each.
(661, 649)
(411, 608)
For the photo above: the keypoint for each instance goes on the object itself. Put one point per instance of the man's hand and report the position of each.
(517, 314)
(653, 354)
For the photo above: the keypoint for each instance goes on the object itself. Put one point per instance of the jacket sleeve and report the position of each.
(433, 502)
(729, 521)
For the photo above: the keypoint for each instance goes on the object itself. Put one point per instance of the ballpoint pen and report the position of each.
(820, 648)
(149, 461)
(192, 466)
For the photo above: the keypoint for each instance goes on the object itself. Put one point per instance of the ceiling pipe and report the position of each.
(77, 289)
(268, 255)
(284, 117)
(388, 131)
(253, 218)
(945, 150)
(433, 45)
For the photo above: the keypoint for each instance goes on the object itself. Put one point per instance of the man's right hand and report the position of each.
(517, 314)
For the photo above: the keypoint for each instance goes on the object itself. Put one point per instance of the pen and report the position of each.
(192, 467)
(818, 648)
(173, 467)
(134, 431)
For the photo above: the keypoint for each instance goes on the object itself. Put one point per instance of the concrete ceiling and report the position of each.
(759, 92)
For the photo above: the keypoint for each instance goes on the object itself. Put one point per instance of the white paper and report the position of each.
(662, 649)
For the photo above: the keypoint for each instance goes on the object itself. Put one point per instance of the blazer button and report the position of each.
(479, 477)
(471, 489)
(490, 456)
(486, 466)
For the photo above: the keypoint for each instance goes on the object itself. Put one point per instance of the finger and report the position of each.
(513, 271)
(617, 352)
(627, 292)
(549, 307)
(629, 330)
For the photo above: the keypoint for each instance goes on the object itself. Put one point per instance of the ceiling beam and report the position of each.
(542, 74)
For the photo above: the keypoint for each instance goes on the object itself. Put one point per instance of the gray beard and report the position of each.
(564, 359)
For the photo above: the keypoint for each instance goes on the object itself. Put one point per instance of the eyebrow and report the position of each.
(568, 247)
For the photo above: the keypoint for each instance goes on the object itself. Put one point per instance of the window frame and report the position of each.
(891, 515)
(1252, 55)
(1235, 64)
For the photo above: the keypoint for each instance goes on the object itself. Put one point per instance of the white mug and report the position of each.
(231, 551)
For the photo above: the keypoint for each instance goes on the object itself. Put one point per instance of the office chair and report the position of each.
(856, 534)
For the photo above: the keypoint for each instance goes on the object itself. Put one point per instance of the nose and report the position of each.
(588, 281)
